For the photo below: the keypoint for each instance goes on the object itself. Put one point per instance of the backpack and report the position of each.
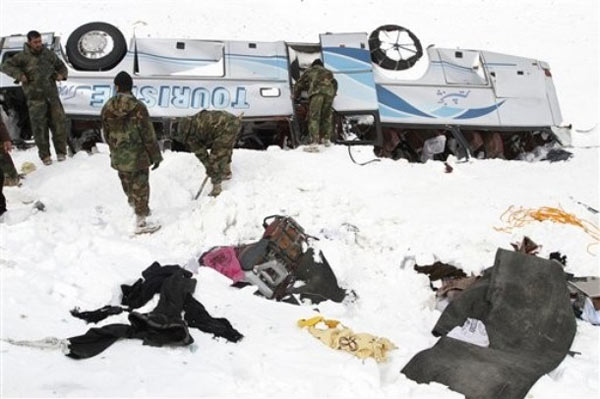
(270, 263)
(286, 239)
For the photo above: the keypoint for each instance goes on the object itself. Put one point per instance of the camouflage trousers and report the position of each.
(320, 118)
(44, 114)
(136, 187)
(7, 165)
(218, 165)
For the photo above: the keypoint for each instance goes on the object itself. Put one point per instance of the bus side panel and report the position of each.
(438, 105)
(521, 84)
(348, 57)
(180, 98)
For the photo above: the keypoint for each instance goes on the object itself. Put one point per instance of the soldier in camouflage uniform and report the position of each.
(214, 130)
(321, 87)
(6, 146)
(38, 69)
(11, 177)
(133, 147)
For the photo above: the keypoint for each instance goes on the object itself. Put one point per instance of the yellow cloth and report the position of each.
(315, 320)
(27, 168)
(337, 336)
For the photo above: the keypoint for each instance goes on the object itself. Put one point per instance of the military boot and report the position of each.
(12, 181)
(312, 148)
(216, 190)
(47, 161)
(61, 157)
(144, 226)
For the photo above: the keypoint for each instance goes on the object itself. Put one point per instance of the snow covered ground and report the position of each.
(80, 249)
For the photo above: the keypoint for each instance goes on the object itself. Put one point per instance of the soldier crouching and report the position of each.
(216, 131)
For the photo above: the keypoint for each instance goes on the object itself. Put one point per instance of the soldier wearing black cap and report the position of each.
(133, 147)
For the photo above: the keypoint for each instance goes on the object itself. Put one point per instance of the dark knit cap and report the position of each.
(124, 81)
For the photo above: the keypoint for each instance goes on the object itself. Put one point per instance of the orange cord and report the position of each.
(520, 217)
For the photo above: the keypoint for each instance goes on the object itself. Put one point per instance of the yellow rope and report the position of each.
(516, 218)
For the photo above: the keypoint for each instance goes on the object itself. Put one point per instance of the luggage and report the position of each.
(287, 239)
(275, 262)
(270, 263)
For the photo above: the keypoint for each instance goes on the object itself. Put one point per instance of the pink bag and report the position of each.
(224, 260)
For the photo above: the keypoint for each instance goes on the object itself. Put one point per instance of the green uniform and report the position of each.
(210, 130)
(133, 147)
(4, 137)
(320, 85)
(45, 109)
(6, 163)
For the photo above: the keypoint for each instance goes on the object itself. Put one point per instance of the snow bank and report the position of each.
(368, 218)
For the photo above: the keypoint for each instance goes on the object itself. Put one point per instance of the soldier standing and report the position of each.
(133, 148)
(214, 130)
(321, 87)
(37, 69)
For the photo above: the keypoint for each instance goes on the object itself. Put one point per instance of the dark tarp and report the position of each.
(524, 303)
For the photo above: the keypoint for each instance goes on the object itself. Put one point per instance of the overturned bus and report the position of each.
(464, 102)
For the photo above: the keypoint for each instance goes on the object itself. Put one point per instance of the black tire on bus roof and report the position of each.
(96, 62)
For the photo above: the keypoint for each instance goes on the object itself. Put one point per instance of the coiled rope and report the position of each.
(519, 217)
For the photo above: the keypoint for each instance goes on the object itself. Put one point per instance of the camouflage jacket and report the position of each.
(316, 80)
(41, 71)
(207, 129)
(129, 134)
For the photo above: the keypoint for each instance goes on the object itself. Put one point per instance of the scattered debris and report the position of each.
(49, 343)
(557, 154)
(585, 298)
(453, 281)
(473, 331)
(39, 205)
(589, 208)
(280, 264)
(526, 246)
(557, 256)
(524, 304)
